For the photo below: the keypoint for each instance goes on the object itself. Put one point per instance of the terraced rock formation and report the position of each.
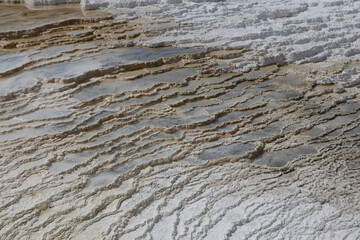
(102, 138)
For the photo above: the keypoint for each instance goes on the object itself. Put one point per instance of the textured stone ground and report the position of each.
(101, 138)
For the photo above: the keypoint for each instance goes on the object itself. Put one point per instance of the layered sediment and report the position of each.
(103, 138)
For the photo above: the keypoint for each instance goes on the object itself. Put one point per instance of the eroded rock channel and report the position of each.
(103, 138)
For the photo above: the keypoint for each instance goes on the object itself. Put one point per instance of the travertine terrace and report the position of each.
(103, 137)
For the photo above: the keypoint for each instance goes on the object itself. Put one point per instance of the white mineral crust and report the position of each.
(281, 31)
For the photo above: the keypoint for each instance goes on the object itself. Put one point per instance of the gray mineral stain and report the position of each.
(282, 157)
(89, 64)
(119, 87)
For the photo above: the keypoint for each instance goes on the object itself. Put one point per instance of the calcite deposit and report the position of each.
(109, 130)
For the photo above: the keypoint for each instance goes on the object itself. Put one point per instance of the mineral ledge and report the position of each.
(180, 120)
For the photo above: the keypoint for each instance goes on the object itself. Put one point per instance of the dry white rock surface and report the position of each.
(281, 31)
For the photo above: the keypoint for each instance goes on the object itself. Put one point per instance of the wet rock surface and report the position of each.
(101, 138)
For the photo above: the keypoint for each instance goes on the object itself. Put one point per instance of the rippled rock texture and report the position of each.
(101, 138)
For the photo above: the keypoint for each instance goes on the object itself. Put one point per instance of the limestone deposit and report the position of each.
(105, 136)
